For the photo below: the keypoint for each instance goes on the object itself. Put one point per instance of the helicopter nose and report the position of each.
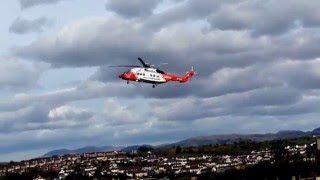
(121, 76)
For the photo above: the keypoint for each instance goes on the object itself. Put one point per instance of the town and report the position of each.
(119, 164)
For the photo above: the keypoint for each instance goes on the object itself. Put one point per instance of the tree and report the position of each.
(178, 150)
(144, 149)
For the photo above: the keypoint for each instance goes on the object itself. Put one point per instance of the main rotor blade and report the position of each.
(125, 66)
(143, 63)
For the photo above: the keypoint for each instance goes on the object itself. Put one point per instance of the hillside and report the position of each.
(196, 141)
(231, 138)
(86, 149)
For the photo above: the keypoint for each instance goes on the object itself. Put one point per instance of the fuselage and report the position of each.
(153, 76)
(148, 75)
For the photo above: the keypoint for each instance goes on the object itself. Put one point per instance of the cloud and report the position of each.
(18, 74)
(117, 112)
(30, 3)
(64, 123)
(131, 9)
(265, 17)
(129, 40)
(31, 117)
(70, 49)
(270, 87)
(23, 26)
(189, 43)
(67, 112)
(38, 116)
(249, 104)
(257, 17)
(229, 61)
(182, 11)
(95, 132)
(257, 63)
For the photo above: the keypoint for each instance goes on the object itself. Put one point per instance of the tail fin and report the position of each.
(188, 75)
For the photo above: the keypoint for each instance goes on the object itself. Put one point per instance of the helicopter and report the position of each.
(147, 73)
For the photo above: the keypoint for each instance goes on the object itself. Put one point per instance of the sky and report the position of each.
(258, 64)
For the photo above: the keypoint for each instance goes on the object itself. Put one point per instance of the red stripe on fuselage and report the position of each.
(170, 77)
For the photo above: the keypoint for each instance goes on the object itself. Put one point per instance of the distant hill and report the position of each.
(231, 138)
(89, 149)
(195, 141)
(316, 131)
(86, 149)
(289, 134)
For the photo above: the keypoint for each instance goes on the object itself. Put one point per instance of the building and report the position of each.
(318, 149)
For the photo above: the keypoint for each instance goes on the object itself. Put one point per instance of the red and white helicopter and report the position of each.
(149, 74)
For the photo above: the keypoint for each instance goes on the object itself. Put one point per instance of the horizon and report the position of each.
(152, 144)
(258, 73)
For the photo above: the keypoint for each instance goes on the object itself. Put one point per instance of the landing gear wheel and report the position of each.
(153, 86)
(127, 82)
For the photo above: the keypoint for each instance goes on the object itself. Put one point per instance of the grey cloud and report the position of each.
(86, 90)
(68, 113)
(235, 80)
(241, 104)
(28, 112)
(116, 135)
(265, 17)
(250, 104)
(44, 138)
(19, 119)
(132, 8)
(104, 73)
(252, 75)
(279, 75)
(19, 75)
(255, 124)
(300, 75)
(96, 130)
(23, 26)
(30, 3)
(128, 41)
(183, 42)
(257, 17)
(181, 12)
(223, 80)
(208, 51)
(38, 116)
(269, 97)
(97, 48)
(122, 114)
(164, 132)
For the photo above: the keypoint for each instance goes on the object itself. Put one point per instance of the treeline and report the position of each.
(241, 147)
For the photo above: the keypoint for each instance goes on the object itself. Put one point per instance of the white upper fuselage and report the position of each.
(148, 75)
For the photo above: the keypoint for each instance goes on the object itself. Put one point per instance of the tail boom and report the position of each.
(181, 79)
